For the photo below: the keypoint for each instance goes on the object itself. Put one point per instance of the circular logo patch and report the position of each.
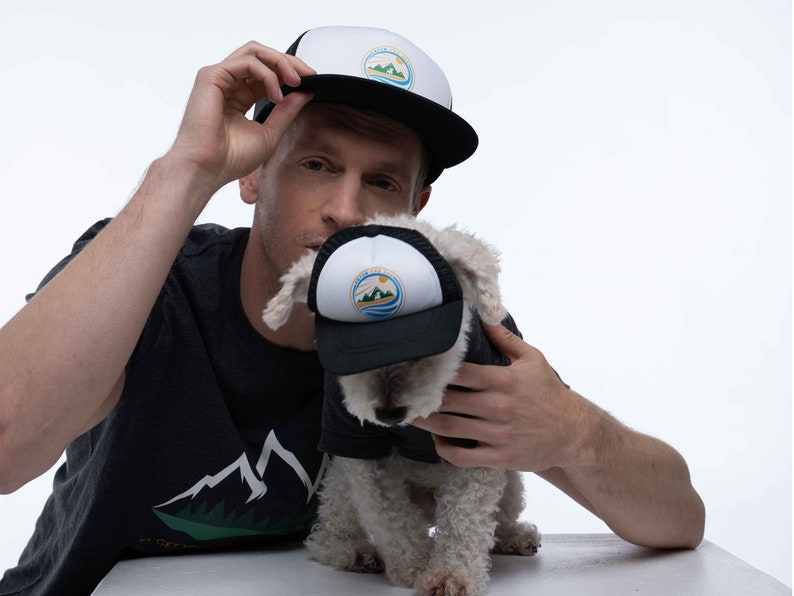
(390, 66)
(377, 294)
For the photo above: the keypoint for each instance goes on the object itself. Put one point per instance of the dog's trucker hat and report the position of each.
(383, 72)
(382, 295)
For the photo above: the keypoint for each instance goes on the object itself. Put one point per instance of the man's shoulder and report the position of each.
(211, 236)
(200, 238)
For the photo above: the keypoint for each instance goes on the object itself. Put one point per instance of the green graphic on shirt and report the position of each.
(226, 508)
(214, 525)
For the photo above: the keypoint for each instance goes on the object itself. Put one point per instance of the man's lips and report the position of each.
(315, 245)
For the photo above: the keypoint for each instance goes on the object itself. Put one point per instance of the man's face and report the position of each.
(334, 168)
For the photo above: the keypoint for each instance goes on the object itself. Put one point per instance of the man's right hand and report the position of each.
(215, 134)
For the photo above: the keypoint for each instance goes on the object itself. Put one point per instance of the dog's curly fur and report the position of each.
(429, 526)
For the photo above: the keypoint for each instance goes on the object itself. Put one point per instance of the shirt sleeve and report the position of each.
(343, 434)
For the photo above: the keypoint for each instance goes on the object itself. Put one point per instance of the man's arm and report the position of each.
(525, 418)
(63, 356)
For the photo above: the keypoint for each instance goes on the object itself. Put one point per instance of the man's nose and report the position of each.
(344, 207)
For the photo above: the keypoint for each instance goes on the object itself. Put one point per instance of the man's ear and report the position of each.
(422, 199)
(249, 187)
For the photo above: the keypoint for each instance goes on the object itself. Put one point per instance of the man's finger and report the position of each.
(285, 112)
(507, 342)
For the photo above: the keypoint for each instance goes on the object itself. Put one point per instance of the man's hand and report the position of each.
(522, 416)
(215, 134)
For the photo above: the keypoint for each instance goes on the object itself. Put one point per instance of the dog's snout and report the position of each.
(390, 381)
(391, 415)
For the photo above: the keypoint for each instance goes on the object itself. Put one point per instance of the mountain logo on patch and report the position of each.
(388, 65)
(377, 294)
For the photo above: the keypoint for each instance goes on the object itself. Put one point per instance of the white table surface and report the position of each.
(567, 564)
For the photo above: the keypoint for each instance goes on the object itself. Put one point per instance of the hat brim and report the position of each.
(447, 137)
(349, 348)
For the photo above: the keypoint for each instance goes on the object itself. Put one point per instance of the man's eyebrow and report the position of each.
(316, 145)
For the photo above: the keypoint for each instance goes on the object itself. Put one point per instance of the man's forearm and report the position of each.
(62, 357)
(638, 485)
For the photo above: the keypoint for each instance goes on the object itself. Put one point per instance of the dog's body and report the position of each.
(429, 525)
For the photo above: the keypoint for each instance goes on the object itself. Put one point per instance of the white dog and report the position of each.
(431, 526)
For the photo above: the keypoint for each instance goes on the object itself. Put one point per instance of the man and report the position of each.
(189, 425)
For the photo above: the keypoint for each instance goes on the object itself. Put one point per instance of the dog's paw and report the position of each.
(367, 562)
(446, 584)
(341, 553)
(521, 539)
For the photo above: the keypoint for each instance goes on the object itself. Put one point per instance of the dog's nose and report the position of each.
(391, 415)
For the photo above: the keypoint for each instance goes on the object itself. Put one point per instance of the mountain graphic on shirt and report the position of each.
(219, 505)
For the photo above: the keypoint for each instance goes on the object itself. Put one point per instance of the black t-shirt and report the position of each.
(213, 443)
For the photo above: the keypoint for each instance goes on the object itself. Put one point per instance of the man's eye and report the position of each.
(314, 165)
(384, 184)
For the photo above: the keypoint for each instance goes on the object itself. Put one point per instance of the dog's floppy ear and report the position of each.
(294, 288)
(476, 265)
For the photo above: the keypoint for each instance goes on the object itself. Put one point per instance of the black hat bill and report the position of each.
(382, 295)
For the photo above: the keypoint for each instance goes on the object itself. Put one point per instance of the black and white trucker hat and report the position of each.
(383, 72)
(382, 295)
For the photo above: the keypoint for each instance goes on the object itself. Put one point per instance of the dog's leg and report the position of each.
(338, 539)
(398, 527)
(466, 506)
(512, 536)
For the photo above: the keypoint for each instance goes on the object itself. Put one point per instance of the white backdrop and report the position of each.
(634, 169)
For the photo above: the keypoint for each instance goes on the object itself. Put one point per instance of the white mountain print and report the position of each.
(207, 519)
(254, 481)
